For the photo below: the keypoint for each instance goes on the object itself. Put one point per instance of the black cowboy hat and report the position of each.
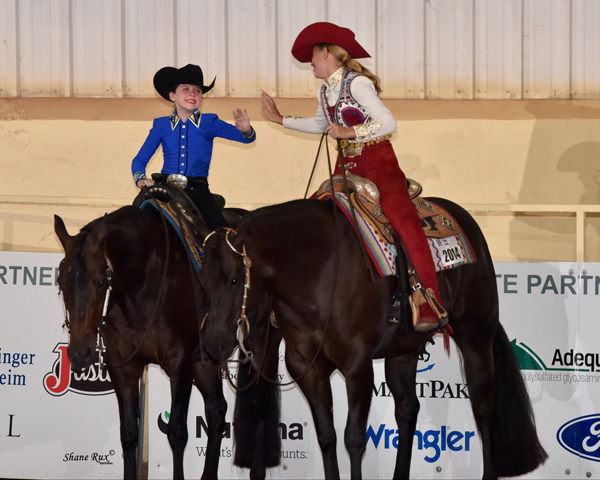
(168, 77)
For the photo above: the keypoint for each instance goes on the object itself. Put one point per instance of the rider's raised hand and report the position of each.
(267, 105)
(242, 122)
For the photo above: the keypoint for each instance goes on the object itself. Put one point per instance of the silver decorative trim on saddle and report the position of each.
(365, 187)
(357, 184)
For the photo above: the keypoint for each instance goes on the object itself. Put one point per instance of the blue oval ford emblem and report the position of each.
(581, 437)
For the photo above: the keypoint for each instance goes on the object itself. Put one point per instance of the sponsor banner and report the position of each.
(445, 440)
(300, 452)
(53, 424)
(550, 311)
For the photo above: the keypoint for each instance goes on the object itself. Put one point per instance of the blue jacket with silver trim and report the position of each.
(187, 146)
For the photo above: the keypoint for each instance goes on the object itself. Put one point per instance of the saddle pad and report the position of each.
(194, 251)
(450, 247)
(382, 252)
(448, 244)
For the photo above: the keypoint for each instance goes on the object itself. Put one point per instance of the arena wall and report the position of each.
(72, 156)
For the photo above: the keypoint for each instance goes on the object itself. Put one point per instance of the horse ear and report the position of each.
(239, 238)
(61, 231)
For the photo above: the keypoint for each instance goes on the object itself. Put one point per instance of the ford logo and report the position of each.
(581, 437)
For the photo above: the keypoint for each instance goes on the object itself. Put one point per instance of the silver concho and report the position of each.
(355, 183)
(179, 181)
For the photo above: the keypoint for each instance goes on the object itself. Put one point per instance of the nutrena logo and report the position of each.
(581, 437)
(60, 380)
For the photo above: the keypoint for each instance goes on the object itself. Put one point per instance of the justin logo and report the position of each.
(60, 380)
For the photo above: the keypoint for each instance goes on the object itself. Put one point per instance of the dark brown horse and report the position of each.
(332, 315)
(151, 318)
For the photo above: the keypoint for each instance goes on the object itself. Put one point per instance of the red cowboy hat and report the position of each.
(325, 32)
(166, 78)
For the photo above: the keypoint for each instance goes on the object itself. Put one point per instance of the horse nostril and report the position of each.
(80, 358)
(223, 351)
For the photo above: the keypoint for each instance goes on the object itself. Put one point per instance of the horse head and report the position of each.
(83, 279)
(225, 277)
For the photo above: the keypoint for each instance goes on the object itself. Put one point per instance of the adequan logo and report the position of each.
(60, 380)
(581, 437)
(562, 361)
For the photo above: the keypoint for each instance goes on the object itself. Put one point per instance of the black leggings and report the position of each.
(197, 189)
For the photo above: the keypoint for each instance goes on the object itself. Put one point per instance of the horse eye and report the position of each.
(234, 281)
(101, 283)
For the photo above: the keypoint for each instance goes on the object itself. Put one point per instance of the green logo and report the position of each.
(529, 360)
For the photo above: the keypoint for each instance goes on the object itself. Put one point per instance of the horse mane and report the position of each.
(85, 232)
(281, 209)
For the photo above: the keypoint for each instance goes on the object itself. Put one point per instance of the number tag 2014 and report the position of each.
(449, 251)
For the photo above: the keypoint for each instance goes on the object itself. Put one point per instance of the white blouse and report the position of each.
(363, 90)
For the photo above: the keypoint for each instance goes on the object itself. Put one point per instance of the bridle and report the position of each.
(243, 320)
(100, 348)
(102, 322)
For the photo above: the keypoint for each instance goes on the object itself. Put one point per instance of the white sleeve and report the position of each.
(382, 121)
(316, 124)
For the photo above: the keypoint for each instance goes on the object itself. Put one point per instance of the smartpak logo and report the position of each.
(434, 441)
(581, 437)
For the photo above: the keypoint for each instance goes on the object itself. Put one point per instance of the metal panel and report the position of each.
(493, 49)
(295, 79)
(449, 49)
(149, 44)
(97, 44)
(360, 17)
(498, 43)
(9, 49)
(400, 51)
(201, 40)
(546, 60)
(44, 48)
(586, 49)
(251, 47)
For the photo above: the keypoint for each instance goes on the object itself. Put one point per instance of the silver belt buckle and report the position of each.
(177, 180)
(352, 150)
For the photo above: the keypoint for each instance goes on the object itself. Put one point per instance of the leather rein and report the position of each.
(243, 319)
(100, 348)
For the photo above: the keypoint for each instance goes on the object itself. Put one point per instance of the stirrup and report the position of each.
(439, 310)
(437, 307)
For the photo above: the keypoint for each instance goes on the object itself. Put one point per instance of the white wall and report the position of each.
(449, 49)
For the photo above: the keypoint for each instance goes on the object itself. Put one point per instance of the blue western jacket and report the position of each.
(187, 146)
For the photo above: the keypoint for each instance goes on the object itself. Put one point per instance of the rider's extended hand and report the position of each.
(242, 122)
(267, 105)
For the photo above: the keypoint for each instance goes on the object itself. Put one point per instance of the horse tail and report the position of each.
(515, 444)
(257, 413)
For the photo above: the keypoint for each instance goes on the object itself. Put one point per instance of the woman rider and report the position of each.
(350, 109)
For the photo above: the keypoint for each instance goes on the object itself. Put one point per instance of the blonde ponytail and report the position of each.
(350, 64)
